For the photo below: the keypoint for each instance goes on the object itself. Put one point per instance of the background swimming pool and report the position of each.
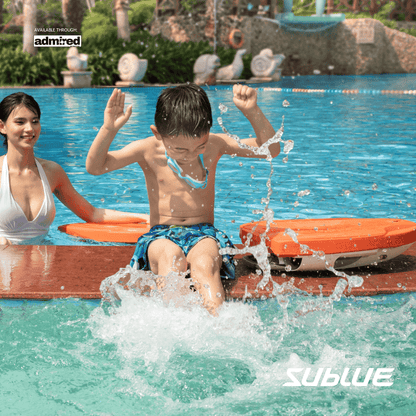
(354, 153)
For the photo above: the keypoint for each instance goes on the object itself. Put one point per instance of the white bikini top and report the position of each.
(13, 222)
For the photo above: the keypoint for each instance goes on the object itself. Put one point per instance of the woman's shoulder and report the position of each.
(54, 172)
(49, 165)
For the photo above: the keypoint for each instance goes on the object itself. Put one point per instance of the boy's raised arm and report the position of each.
(245, 99)
(98, 160)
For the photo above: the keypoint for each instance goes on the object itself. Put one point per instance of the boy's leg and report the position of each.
(165, 256)
(205, 264)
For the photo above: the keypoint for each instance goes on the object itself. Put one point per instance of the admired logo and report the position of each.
(324, 377)
(57, 40)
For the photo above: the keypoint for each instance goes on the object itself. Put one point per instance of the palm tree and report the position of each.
(29, 12)
(121, 8)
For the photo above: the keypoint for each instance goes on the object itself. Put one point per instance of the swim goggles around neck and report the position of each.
(190, 181)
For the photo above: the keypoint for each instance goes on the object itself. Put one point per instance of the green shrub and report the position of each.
(21, 68)
(141, 13)
(99, 24)
(10, 40)
(49, 14)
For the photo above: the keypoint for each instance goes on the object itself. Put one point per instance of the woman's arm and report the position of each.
(67, 194)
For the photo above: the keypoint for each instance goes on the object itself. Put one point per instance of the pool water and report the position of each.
(73, 357)
(355, 156)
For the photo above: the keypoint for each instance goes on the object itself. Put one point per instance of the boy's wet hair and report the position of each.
(183, 110)
(14, 100)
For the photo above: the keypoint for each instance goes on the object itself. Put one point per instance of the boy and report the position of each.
(179, 163)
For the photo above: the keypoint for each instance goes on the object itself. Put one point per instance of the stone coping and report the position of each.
(48, 272)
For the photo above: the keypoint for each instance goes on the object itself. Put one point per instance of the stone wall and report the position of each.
(353, 47)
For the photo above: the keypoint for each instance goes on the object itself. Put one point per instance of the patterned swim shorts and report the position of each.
(185, 236)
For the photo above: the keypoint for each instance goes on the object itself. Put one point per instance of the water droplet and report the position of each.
(285, 103)
(285, 159)
(223, 108)
(95, 128)
(283, 275)
(347, 193)
(288, 146)
(303, 193)
(102, 199)
(399, 285)
(233, 221)
(252, 176)
(240, 164)
(374, 187)
(296, 203)
(218, 295)
(316, 71)
(62, 287)
(288, 268)
(409, 205)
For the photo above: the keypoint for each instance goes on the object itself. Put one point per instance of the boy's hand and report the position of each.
(245, 98)
(114, 116)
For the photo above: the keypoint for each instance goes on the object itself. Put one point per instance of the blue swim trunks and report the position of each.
(185, 236)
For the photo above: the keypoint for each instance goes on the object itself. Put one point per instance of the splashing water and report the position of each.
(260, 251)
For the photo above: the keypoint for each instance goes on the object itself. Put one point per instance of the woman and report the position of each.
(27, 208)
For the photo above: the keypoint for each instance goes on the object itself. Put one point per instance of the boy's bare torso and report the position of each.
(172, 201)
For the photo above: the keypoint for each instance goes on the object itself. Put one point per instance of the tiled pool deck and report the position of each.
(46, 272)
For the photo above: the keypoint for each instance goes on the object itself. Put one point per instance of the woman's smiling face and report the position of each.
(22, 127)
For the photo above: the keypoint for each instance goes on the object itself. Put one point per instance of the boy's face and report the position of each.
(185, 149)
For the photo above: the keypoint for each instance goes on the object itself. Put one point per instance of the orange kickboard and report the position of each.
(116, 233)
(332, 235)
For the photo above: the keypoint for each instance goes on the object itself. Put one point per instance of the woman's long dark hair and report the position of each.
(11, 102)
